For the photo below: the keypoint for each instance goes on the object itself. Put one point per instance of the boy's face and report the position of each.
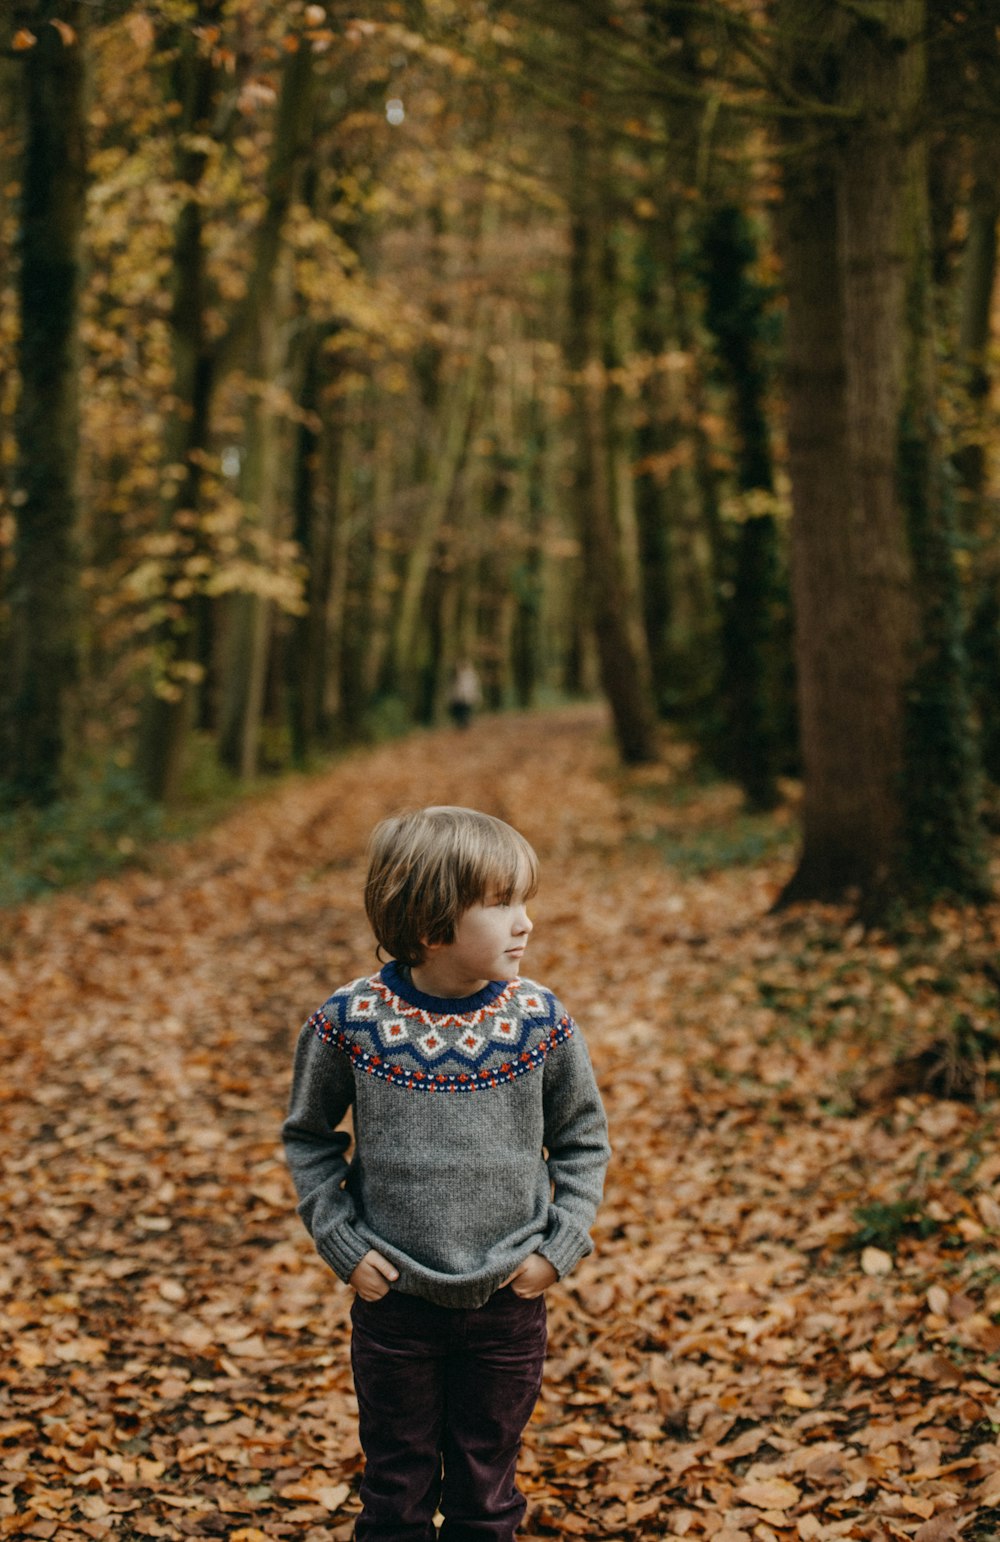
(490, 939)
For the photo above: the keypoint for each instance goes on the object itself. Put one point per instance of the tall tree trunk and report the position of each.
(457, 410)
(943, 850)
(45, 582)
(610, 599)
(313, 518)
(751, 678)
(847, 319)
(977, 520)
(199, 364)
(659, 456)
(168, 707)
(822, 577)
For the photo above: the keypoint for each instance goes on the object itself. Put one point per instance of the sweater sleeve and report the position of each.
(576, 1138)
(322, 1093)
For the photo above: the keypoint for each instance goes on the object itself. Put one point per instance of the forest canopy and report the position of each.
(635, 346)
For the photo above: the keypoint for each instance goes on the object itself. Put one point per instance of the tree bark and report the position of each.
(852, 572)
(977, 521)
(45, 581)
(457, 410)
(199, 363)
(168, 707)
(611, 601)
(942, 849)
(751, 682)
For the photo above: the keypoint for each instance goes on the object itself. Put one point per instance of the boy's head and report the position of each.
(427, 868)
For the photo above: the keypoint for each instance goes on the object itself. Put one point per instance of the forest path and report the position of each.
(174, 1355)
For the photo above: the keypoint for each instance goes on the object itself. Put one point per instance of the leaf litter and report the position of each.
(791, 1326)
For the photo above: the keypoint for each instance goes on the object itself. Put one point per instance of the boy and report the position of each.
(480, 1150)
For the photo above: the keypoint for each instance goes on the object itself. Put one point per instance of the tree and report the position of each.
(45, 596)
(854, 174)
(201, 359)
(610, 589)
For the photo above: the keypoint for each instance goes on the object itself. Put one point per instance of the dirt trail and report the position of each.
(173, 1355)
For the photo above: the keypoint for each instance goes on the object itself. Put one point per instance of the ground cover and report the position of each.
(791, 1325)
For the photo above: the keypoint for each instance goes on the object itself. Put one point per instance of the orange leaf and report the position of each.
(769, 1494)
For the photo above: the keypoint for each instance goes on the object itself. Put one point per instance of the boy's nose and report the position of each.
(524, 923)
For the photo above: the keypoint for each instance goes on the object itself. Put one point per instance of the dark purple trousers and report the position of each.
(443, 1397)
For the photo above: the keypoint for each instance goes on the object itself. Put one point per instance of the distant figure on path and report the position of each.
(465, 694)
(480, 1145)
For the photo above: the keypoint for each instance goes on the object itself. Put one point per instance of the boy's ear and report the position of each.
(430, 947)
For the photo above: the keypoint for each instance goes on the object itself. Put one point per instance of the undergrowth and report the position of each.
(105, 823)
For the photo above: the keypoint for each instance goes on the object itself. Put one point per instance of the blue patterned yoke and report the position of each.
(423, 1051)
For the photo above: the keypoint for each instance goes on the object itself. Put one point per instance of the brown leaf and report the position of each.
(769, 1494)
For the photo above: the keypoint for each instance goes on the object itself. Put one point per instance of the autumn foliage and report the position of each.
(791, 1325)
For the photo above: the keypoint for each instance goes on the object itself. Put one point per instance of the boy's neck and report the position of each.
(431, 979)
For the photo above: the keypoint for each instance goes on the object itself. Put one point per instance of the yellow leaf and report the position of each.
(988, 1492)
(23, 39)
(769, 1494)
(316, 1488)
(922, 1507)
(875, 1262)
(64, 30)
(795, 1397)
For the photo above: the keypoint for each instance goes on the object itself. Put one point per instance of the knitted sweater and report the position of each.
(479, 1134)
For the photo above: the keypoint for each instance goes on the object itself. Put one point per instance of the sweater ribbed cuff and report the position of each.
(343, 1250)
(565, 1243)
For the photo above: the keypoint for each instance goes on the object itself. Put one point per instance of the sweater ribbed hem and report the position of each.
(565, 1244)
(343, 1250)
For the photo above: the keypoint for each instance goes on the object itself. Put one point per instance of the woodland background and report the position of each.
(641, 347)
(643, 353)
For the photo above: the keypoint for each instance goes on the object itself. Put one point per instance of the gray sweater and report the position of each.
(479, 1135)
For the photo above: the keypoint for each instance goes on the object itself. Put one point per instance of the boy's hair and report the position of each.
(427, 868)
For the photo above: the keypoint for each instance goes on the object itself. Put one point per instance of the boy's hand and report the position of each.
(372, 1276)
(532, 1278)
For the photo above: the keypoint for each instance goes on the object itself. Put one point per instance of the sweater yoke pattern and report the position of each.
(406, 1045)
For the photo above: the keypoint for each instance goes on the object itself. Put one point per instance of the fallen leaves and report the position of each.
(874, 1261)
(732, 1363)
(769, 1494)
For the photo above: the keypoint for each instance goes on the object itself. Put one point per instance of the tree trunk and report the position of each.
(458, 411)
(168, 708)
(658, 457)
(942, 850)
(751, 680)
(977, 520)
(311, 532)
(851, 564)
(611, 602)
(199, 364)
(45, 581)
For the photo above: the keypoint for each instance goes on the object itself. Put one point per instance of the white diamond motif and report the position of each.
(393, 1032)
(469, 1043)
(363, 1007)
(505, 1030)
(433, 1044)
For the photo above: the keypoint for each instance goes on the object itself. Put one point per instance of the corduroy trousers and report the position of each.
(443, 1398)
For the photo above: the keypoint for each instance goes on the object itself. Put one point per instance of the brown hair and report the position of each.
(428, 867)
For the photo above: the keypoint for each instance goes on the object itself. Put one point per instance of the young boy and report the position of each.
(479, 1158)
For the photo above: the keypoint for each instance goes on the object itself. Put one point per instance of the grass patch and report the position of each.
(103, 825)
(106, 823)
(743, 840)
(885, 1225)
